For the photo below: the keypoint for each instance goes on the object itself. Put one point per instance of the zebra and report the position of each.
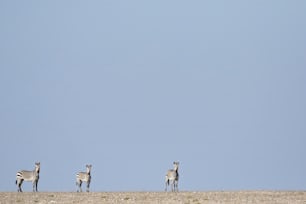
(84, 177)
(28, 176)
(172, 177)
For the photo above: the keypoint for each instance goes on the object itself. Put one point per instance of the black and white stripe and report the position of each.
(25, 175)
(83, 177)
(172, 177)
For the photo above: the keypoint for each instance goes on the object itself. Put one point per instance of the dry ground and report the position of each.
(156, 197)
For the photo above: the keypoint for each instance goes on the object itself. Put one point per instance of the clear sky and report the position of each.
(131, 86)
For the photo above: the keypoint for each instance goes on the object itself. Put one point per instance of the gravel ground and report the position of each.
(156, 197)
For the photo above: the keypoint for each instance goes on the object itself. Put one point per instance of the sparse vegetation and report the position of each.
(262, 197)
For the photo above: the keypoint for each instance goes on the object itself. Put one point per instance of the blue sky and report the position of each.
(131, 86)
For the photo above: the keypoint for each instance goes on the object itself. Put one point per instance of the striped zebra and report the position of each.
(172, 177)
(32, 176)
(83, 177)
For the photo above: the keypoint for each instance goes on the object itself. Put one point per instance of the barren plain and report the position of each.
(229, 197)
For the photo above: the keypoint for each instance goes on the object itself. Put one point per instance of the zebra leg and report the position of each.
(35, 186)
(19, 183)
(79, 184)
(88, 184)
(167, 183)
(176, 186)
(33, 183)
(172, 186)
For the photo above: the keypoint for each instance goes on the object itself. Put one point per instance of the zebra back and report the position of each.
(29, 175)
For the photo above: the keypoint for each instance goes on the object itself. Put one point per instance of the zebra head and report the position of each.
(88, 168)
(37, 167)
(175, 165)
